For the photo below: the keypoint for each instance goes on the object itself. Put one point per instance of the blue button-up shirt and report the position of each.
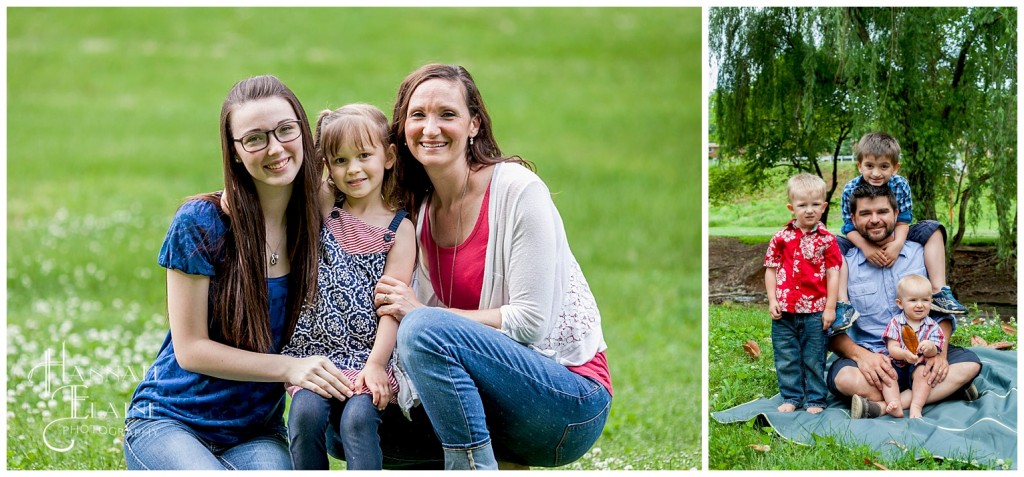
(872, 291)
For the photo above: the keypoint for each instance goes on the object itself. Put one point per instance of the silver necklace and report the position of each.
(437, 252)
(273, 252)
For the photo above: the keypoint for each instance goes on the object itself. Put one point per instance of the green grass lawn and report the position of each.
(112, 120)
(734, 378)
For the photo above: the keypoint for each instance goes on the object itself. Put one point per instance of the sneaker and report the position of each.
(845, 316)
(944, 301)
(862, 408)
(970, 394)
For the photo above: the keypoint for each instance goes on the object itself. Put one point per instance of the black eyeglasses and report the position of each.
(259, 140)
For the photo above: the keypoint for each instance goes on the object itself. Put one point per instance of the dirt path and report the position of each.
(735, 273)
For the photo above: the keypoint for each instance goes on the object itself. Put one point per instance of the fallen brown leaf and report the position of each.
(978, 341)
(1001, 345)
(909, 338)
(977, 321)
(760, 447)
(876, 464)
(1008, 329)
(752, 349)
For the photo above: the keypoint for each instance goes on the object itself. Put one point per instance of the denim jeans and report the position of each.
(405, 444)
(166, 444)
(489, 397)
(798, 343)
(357, 421)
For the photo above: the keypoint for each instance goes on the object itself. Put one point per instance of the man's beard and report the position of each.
(889, 229)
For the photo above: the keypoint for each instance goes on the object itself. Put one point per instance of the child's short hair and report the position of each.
(366, 125)
(805, 182)
(912, 282)
(878, 144)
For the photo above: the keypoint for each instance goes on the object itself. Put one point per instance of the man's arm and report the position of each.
(875, 367)
(938, 366)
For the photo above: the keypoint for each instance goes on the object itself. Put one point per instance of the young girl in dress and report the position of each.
(364, 235)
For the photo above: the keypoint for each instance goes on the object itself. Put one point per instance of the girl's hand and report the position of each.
(395, 298)
(320, 375)
(375, 379)
(327, 197)
(225, 205)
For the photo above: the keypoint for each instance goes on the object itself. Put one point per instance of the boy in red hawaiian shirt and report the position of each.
(802, 278)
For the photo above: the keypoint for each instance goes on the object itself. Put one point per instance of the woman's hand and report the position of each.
(320, 375)
(375, 379)
(395, 298)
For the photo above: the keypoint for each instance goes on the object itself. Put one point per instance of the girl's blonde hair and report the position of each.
(365, 126)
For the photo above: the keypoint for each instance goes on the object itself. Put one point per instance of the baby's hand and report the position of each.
(910, 357)
(928, 349)
(827, 318)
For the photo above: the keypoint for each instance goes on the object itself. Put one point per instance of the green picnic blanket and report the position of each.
(984, 430)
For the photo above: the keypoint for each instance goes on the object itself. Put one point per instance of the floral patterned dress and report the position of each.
(341, 323)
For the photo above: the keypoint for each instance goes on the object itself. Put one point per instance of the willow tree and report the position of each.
(941, 80)
(778, 101)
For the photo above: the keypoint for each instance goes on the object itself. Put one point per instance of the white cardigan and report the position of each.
(530, 273)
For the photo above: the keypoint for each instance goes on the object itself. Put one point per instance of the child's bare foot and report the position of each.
(915, 412)
(815, 410)
(894, 409)
(786, 407)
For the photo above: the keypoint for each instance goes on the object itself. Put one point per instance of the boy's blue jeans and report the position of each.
(799, 346)
(489, 397)
(356, 420)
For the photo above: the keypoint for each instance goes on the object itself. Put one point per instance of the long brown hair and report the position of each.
(241, 304)
(412, 178)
